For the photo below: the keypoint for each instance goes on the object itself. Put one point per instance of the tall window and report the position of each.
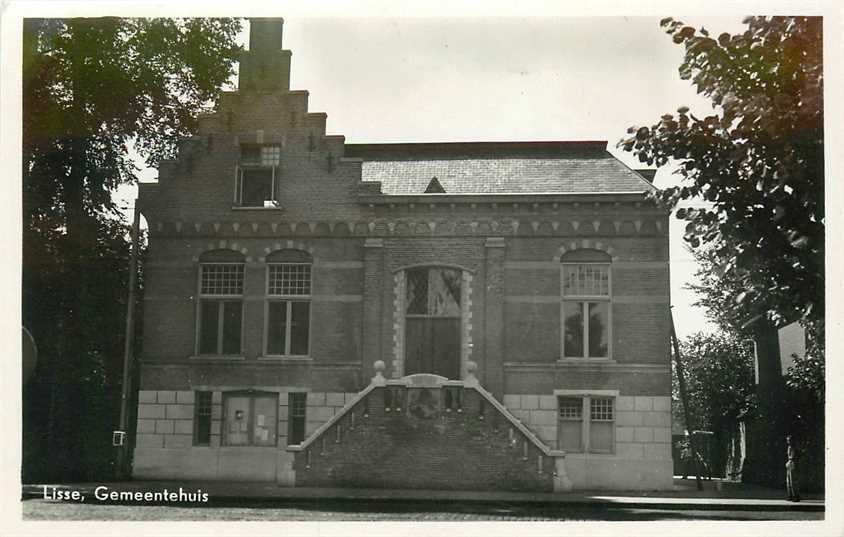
(297, 408)
(220, 302)
(257, 176)
(586, 423)
(288, 303)
(250, 419)
(586, 304)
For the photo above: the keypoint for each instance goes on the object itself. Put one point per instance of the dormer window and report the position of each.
(257, 174)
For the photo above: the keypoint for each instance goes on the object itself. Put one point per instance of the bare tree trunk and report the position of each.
(766, 438)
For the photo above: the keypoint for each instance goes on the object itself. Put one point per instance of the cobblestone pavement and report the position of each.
(386, 511)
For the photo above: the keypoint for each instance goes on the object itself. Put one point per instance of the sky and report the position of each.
(500, 79)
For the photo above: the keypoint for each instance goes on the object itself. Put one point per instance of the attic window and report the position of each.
(257, 174)
(434, 187)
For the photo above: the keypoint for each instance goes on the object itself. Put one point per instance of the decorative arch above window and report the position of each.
(586, 255)
(222, 255)
(585, 244)
(223, 251)
(289, 255)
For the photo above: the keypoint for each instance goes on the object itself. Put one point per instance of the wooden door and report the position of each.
(433, 346)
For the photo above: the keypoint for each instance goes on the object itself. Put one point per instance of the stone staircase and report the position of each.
(427, 432)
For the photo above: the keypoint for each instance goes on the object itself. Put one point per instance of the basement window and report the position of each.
(202, 418)
(256, 179)
(586, 423)
(297, 408)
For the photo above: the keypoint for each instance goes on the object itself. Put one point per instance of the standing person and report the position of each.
(791, 482)
(686, 457)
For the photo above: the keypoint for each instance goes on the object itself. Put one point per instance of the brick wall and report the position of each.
(529, 323)
(165, 417)
(545, 378)
(453, 451)
(641, 457)
(642, 423)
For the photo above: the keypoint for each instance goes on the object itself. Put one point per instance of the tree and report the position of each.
(719, 386)
(757, 162)
(93, 88)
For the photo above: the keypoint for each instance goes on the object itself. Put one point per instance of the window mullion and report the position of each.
(240, 186)
(287, 331)
(250, 422)
(585, 424)
(585, 329)
(221, 311)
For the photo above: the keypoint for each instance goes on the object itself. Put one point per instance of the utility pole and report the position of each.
(681, 381)
(126, 387)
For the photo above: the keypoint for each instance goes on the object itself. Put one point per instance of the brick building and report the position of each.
(438, 315)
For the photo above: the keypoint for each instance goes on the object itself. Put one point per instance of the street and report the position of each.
(345, 510)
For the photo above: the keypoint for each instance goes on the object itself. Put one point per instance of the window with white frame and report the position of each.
(586, 304)
(586, 423)
(288, 315)
(256, 183)
(220, 306)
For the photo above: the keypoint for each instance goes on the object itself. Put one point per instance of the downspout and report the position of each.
(121, 470)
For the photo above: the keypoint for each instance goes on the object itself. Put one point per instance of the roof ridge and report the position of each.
(499, 149)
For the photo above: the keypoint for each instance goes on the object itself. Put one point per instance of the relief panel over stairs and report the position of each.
(426, 432)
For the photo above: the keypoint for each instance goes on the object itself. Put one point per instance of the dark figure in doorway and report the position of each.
(791, 483)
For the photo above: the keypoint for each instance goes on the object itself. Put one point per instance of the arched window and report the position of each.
(220, 305)
(288, 308)
(585, 304)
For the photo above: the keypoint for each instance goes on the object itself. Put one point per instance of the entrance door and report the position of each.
(433, 346)
(432, 322)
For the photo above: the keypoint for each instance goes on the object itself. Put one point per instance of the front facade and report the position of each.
(315, 310)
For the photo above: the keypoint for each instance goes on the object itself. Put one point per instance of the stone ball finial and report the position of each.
(379, 379)
(471, 379)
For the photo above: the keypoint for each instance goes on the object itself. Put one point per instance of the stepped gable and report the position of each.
(567, 167)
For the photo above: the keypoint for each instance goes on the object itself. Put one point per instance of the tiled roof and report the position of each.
(497, 168)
